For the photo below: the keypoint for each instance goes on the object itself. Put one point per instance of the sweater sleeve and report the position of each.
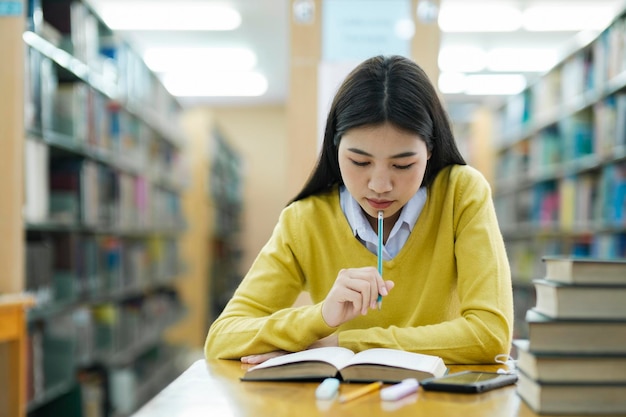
(484, 276)
(474, 261)
(259, 317)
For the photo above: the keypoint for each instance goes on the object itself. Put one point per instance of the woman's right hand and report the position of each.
(354, 293)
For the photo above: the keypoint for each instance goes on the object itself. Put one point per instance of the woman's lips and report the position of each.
(379, 204)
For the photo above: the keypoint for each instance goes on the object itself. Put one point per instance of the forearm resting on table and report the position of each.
(232, 337)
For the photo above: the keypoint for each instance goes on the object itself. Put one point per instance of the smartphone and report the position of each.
(469, 382)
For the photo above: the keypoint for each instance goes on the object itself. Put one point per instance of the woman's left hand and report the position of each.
(262, 357)
(331, 340)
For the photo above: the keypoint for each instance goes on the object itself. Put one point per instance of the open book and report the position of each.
(380, 364)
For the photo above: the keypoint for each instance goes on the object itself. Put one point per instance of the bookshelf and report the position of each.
(92, 227)
(226, 194)
(561, 162)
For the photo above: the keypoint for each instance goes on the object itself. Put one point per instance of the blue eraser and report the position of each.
(327, 389)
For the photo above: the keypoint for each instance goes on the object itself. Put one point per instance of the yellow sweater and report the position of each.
(452, 296)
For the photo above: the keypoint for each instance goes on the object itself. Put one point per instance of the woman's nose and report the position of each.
(380, 182)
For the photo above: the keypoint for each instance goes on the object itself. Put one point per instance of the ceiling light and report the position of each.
(215, 84)
(144, 15)
(487, 17)
(481, 84)
(451, 83)
(570, 18)
(521, 59)
(461, 59)
(494, 84)
(200, 59)
(404, 29)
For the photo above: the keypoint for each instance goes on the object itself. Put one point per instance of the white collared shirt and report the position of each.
(368, 236)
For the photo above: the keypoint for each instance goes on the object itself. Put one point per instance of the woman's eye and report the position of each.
(404, 166)
(360, 164)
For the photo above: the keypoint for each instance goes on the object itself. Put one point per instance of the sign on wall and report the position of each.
(358, 29)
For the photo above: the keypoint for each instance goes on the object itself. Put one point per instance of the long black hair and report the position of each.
(383, 89)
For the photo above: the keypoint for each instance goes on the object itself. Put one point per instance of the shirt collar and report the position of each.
(358, 222)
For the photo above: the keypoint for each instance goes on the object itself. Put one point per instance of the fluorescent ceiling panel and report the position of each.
(521, 59)
(451, 82)
(199, 59)
(216, 84)
(481, 84)
(494, 84)
(486, 17)
(462, 59)
(546, 18)
(143, 15)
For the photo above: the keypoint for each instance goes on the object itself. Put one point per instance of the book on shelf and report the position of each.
(69, 115)
(570, 270)
(379, 364)
(35, 376)
(64, 182)
(559, 300)
(577, 132)
(575, 335)
(36, 190)
(570, 368)
(612, 193)
(38, 269)
(32, 89)
(568, 398)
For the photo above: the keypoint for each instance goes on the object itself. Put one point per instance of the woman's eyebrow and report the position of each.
(397, 156)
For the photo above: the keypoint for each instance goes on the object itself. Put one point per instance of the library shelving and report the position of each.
(226, 193)
(101, 215)
(561, 162)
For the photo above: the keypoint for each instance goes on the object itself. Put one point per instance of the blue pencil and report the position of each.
(380, 253)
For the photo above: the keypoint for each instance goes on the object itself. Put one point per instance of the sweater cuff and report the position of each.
(319, 326)
(344, 340)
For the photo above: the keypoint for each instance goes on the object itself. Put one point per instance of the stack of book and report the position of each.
(574, 360)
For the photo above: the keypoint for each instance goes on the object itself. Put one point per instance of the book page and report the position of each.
(396, 358)
(336, 356)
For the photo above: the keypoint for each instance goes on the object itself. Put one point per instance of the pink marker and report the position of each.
(397, 391)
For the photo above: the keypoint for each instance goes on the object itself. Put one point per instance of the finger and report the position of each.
(381, 285)
(352, 299)
(359, 293)
(367, 281)
(375, 282)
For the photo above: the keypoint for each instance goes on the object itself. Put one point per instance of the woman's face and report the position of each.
(382, 167)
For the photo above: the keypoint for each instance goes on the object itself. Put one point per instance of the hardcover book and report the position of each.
(567, 398)
(380, 364)
(572, 367)
(575, 335)
(585, 270)
(580, 301)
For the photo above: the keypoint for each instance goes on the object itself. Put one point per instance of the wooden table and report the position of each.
(213, 388)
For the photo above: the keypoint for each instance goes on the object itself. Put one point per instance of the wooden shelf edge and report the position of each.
(16, 300)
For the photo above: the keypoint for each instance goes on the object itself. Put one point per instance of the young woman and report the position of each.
(446, 284)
